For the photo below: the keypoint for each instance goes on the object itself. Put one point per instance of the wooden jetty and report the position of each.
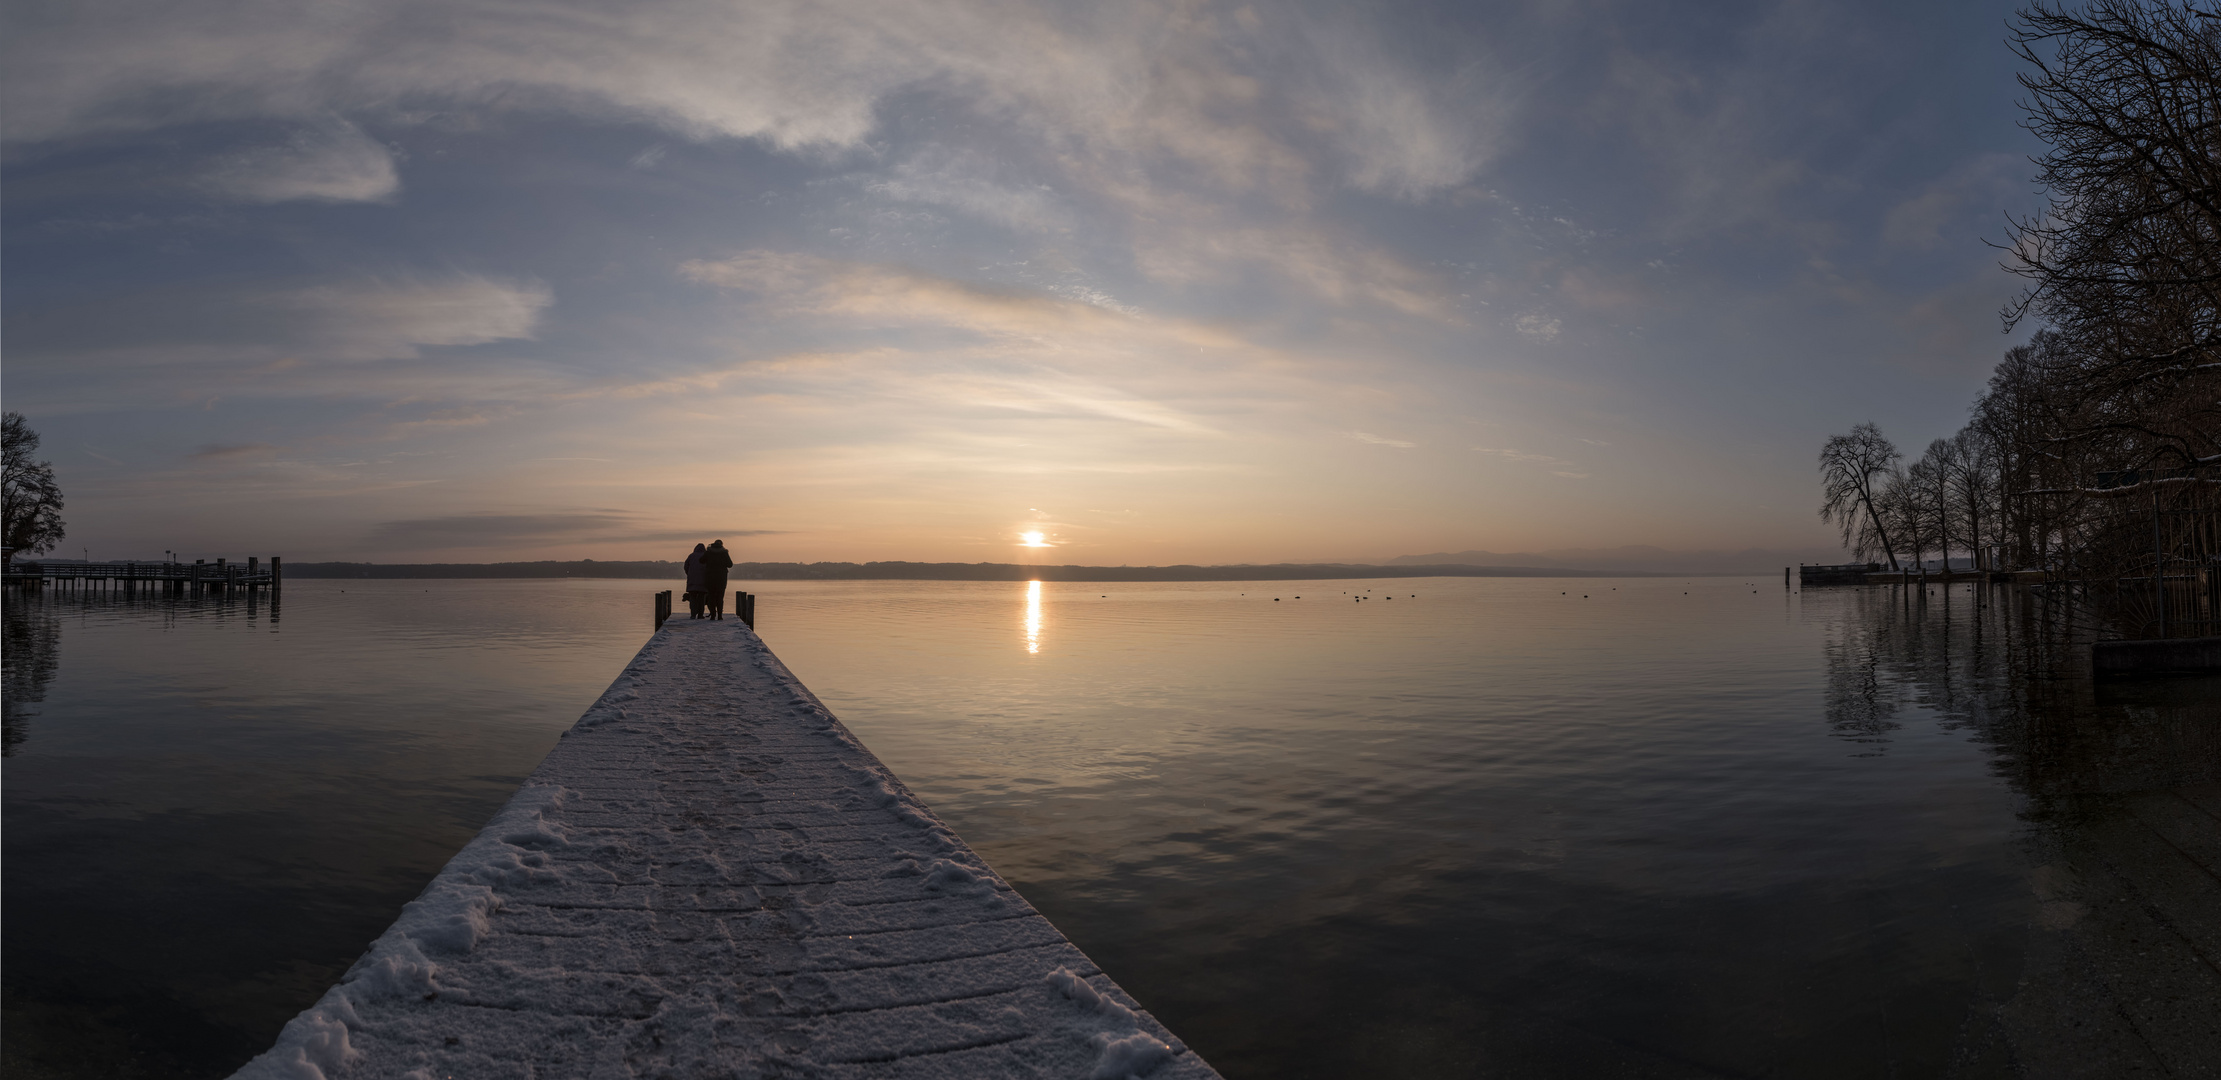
(709, 876)
(175, 577)
(1809, 575)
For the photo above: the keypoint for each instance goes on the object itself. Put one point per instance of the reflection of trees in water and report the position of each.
(1892, 652)
(33, 640)
(1862, 698)
(2119, 785)
(1947, 654)
(33, 627)
(2011, 670)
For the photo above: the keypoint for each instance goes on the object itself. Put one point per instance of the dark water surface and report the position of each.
(1489, 827)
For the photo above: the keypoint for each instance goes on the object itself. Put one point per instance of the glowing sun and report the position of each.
(1032, 539)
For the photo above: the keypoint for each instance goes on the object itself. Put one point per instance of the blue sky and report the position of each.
(1163, 282)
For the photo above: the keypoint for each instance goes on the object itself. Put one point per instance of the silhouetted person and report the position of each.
(716, 564)
(697, 592)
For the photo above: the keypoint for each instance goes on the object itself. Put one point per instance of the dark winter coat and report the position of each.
(716, 564)
(695, 582)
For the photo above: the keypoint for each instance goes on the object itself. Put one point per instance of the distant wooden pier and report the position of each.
(1838, 574)
(1809, 575)
(176, 578)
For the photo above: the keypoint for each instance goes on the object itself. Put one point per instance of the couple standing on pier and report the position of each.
(705, 580)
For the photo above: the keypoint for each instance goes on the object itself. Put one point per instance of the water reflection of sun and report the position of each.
(1033, 616)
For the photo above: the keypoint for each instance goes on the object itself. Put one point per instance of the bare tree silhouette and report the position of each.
(30, 501)
(1850, 465)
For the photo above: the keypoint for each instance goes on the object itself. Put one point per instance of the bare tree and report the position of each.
(2095, 453)
(1933, 475)
(2125, 263)
(30, 501)
(1971, 467)
(1849, 467)
(2013, 419)
(1909, 505)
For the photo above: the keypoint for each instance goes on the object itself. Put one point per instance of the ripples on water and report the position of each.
(1462, 827)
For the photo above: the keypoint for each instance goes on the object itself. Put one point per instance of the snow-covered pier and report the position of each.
(710, 877)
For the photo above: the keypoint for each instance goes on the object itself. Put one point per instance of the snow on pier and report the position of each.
(710, 877)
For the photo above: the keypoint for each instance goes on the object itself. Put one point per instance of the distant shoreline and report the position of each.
(916, 571)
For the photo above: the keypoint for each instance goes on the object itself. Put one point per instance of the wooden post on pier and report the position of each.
(277, 579)
(662, 608)
(744, 605)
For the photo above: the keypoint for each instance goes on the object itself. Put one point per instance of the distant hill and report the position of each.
(916, 571)
(658, 568)
(1640, 557)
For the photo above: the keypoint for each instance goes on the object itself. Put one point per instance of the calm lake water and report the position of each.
(1463, 827)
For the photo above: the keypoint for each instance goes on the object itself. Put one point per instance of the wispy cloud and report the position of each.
(1173, 114)
(794, 74)
(1538, 327)
(1020, 351)
(679, 536)
(218, 451)
(233, 324)
(329, 162)
(1557, 466)
(1377, 440)
(964, 181)
(1403, 132)
(524, 531)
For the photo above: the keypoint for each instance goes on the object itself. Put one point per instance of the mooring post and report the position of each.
(662, 608)
(276, 578)
(744, 605)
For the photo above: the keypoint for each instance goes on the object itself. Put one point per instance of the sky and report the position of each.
(492, 280)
